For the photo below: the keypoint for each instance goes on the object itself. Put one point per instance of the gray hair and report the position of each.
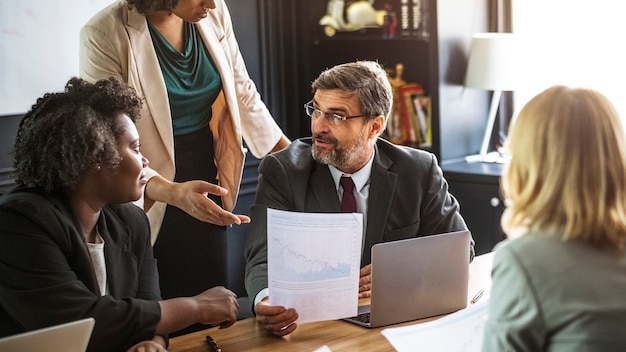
(365, 79)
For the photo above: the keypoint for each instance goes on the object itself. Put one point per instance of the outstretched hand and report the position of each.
(192, 198)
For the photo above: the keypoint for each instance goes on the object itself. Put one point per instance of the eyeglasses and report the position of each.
(331, 117)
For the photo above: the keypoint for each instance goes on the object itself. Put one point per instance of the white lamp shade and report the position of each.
(493, 62)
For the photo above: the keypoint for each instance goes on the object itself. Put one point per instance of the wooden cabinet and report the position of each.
(477, 188)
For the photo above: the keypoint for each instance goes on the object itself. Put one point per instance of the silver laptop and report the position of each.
(68, 337)
(417, 278)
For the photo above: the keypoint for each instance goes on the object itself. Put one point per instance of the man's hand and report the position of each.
(154, 345)
(365, 281)
(276, 319)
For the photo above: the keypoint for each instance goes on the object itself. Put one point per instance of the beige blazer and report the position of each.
(117, 42)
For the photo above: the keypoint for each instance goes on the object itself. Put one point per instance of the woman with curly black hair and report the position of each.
(182, 56)
(71, 244)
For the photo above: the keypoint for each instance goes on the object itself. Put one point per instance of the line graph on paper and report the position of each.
(313, 250)
(313, 253)
(296, 263)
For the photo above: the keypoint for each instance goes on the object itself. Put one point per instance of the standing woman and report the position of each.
(182, 56)
(559, 283)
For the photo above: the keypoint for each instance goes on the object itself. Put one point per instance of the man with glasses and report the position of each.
(399, 190)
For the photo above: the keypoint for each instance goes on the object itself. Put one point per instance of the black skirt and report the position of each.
(191, 254)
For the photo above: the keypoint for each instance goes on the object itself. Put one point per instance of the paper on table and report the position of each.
(467, 326)
(313, 263)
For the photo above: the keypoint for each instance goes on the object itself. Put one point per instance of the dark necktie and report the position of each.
(348, 202)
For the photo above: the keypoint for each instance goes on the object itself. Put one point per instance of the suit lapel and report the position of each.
(208, 30)
(146, 64)
(321, 182)
(382, 187)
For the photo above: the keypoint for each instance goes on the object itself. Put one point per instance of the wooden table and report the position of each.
(338, 335)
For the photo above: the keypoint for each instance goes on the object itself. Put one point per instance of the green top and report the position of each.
(191, 78)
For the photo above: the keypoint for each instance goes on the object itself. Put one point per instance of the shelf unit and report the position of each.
(296, 50)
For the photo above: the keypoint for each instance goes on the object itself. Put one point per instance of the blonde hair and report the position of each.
(567, 174)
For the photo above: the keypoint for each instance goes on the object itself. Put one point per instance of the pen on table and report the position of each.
(477, 296)
(212, 344)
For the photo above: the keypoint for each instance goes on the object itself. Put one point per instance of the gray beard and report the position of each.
(342, 159)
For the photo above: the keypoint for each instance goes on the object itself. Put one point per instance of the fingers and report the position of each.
(229, 322)
(207, 187)
(284, 331)
(365, 278)
(365, 286)
(244, 219)
(204, 209)
(192, 198)
(147, 346)
(366, 270)
(365, 281)
(232, 317)
(219, 306)
(276, 319)
(264, 309)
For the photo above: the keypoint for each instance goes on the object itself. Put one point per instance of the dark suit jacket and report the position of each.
(408, 197)
(46, 275)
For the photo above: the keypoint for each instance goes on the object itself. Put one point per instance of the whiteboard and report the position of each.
(39, 47)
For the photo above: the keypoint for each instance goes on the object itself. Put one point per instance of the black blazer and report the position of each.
(408, 197)
(47, 278)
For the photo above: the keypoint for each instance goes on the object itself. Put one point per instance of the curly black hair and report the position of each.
(146, 7)
(68, 132)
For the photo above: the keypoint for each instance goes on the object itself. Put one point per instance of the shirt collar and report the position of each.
(360, 178)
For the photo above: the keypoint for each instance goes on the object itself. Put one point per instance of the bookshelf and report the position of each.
(297, 49)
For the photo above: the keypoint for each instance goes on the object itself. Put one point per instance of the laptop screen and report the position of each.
(8, 130)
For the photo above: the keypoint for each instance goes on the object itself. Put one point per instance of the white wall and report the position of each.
(39, 47)
(575, 43)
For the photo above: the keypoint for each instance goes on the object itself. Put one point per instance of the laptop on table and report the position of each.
(69, 337)
(417, 278)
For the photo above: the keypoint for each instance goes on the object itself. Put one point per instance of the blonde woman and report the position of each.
(559, 283)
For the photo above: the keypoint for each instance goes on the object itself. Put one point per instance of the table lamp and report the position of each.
(492, 65)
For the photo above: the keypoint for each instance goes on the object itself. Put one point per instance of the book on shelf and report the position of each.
(410, 17)
(423, 110)
(411, 129)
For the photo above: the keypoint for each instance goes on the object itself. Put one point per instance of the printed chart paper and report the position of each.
(461, 331)
(313, 263)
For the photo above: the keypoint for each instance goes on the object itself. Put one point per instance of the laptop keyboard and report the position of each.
(363, 317)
